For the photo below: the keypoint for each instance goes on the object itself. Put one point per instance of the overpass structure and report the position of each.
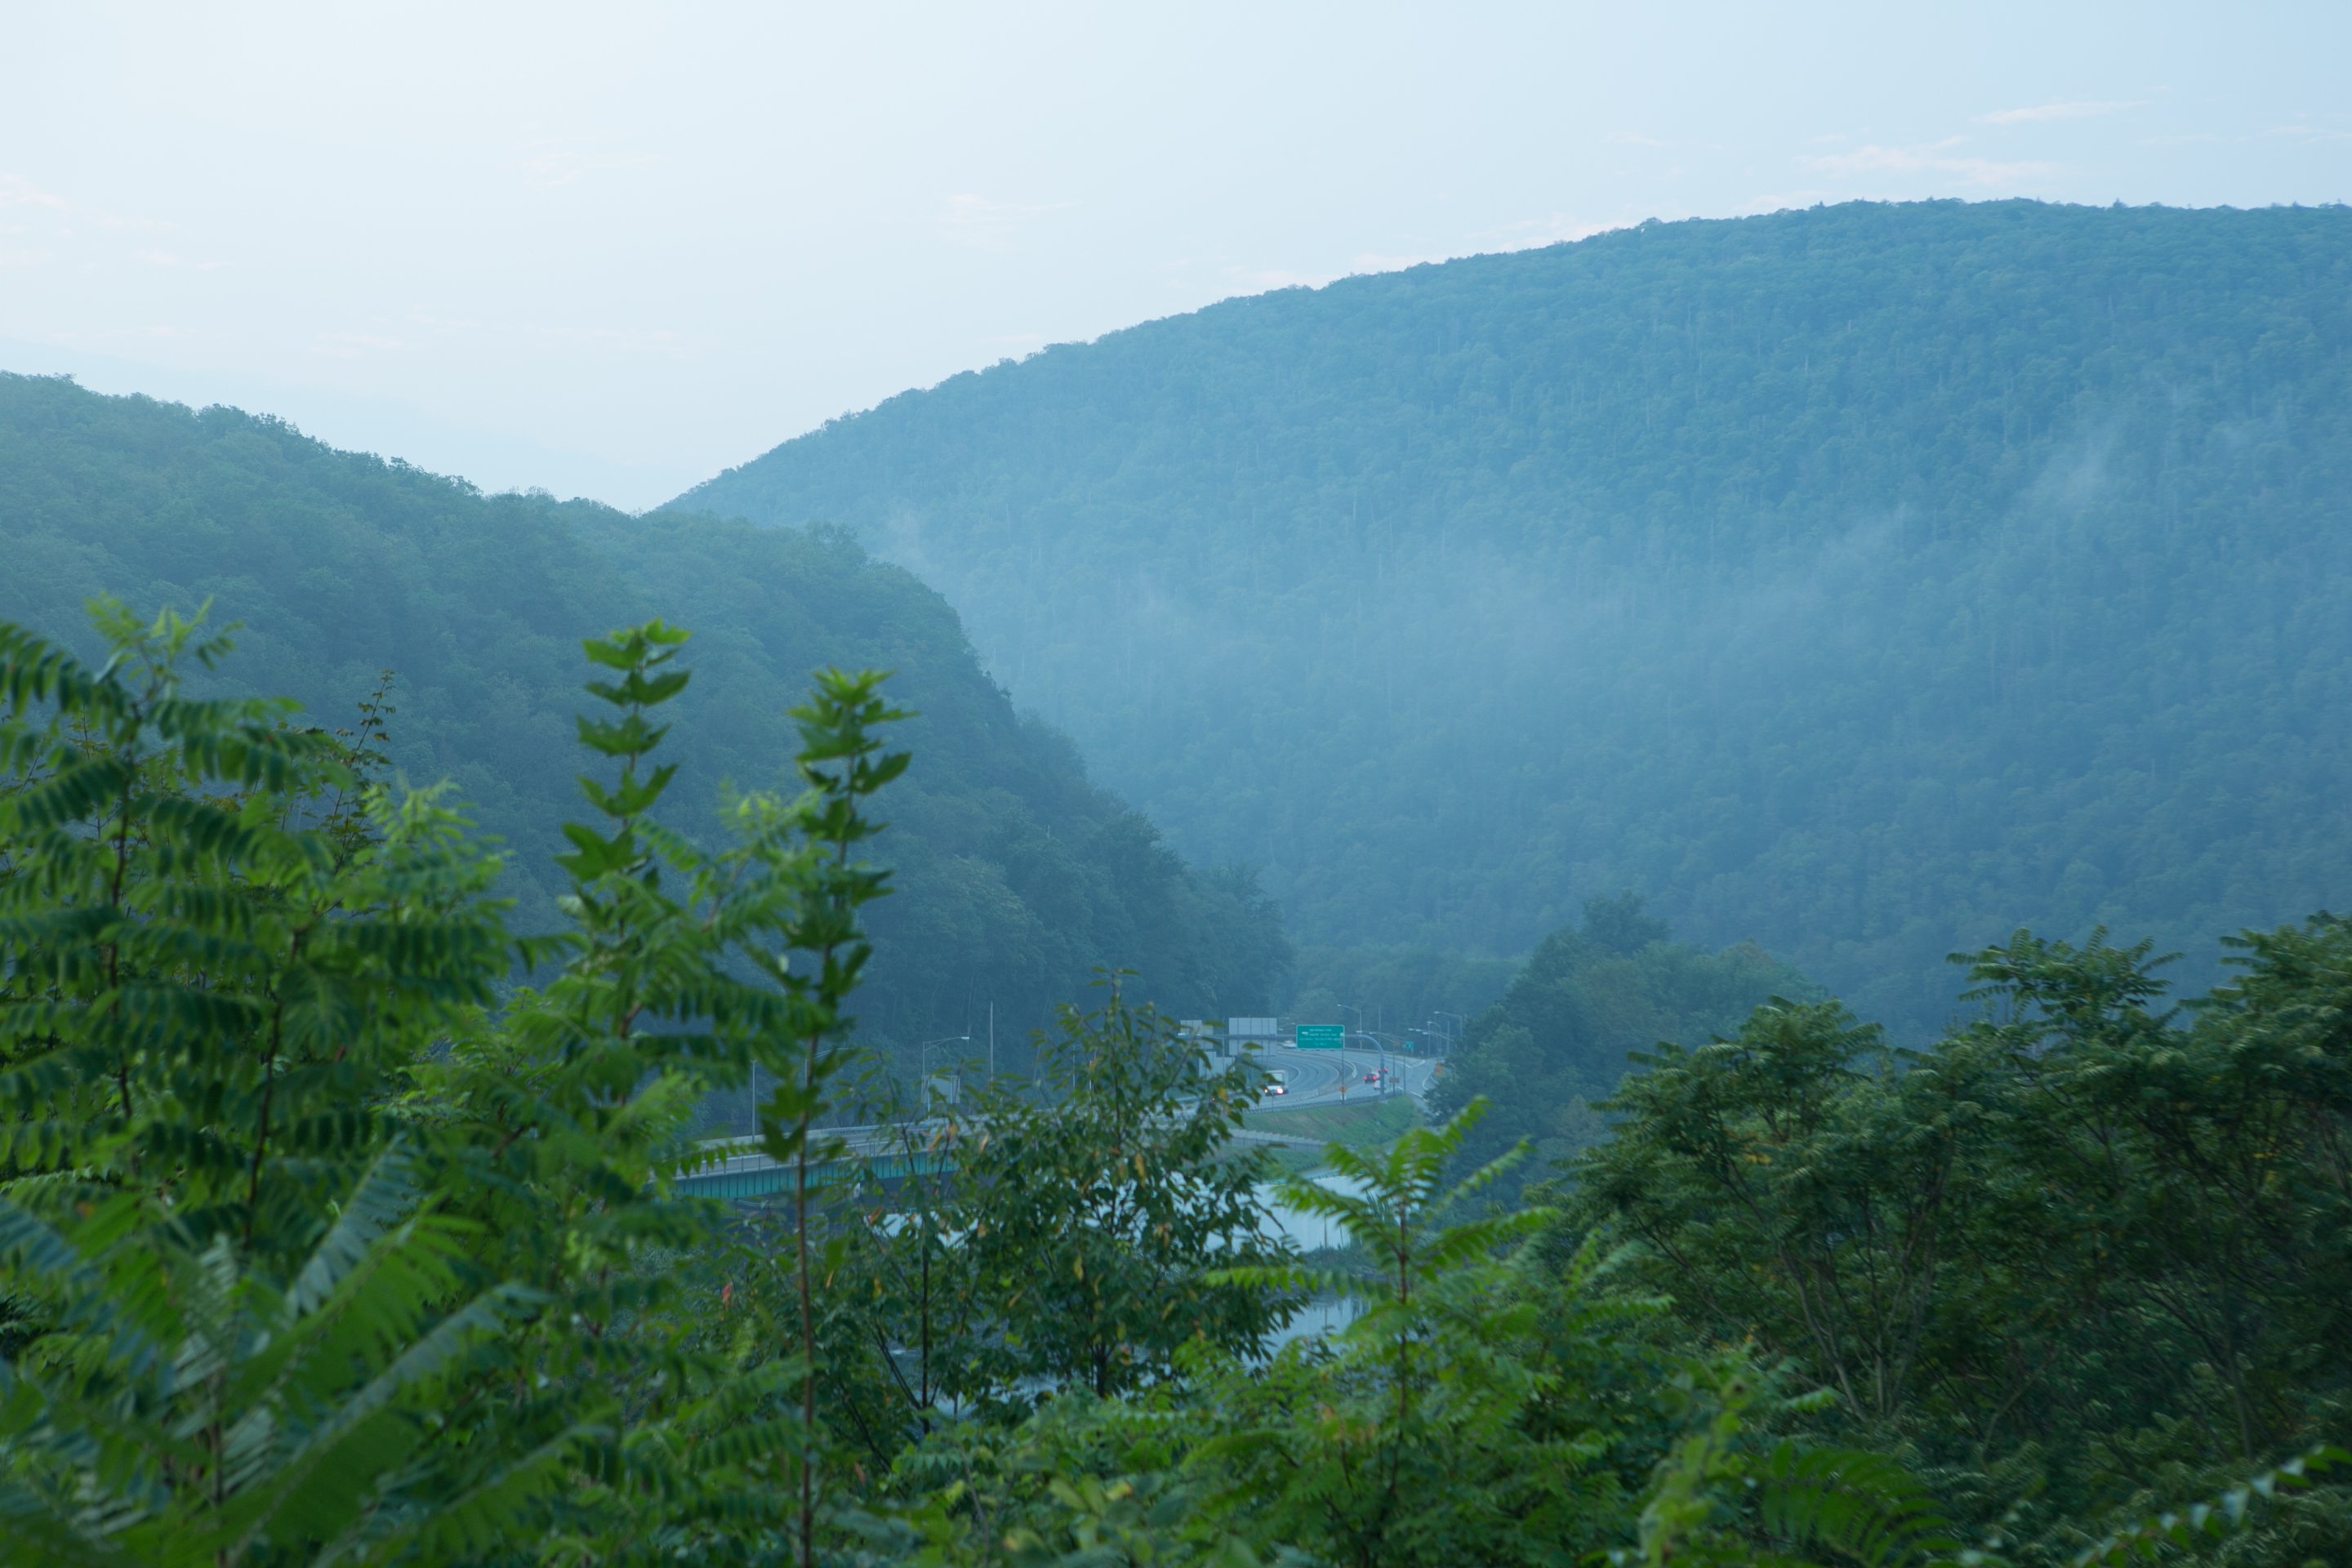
(888, 1151)
(885, 1151)
(737, 1170)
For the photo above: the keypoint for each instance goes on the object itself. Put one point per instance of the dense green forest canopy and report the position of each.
(318, 1243)
(2088, 1242)
(1588, 1000)
(1016, 877)
(1864, 582)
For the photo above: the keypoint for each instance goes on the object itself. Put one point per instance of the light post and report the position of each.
(1453, 1035)
(1379, 1044)
(1433, 1043)
(923, 1063)
(1358, 1012)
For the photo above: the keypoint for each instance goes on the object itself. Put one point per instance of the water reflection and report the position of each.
(1310, 1233)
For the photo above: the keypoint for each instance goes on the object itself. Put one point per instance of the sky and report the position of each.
(609, 250)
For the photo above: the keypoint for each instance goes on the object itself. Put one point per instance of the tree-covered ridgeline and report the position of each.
(1864, 582)
(1024, 877)
(320, 1244)
(1564, 1033)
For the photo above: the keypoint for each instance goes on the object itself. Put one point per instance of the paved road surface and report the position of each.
(1316, 1078)
(1335, 1078)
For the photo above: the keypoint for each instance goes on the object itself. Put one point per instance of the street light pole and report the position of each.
(1378, 1045)
(1454, 1036)
(923, 1062)
(1358, 1012)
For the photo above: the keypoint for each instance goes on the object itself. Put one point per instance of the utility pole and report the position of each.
(991, 1043)
(1358, 1012)
(923, 1069)
(1455, 1031)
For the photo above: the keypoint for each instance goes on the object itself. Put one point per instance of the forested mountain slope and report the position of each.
(1865, 581)
(1016, 877)
(1563, 1034)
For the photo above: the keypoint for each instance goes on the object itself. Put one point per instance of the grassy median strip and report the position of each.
(1368, 1123)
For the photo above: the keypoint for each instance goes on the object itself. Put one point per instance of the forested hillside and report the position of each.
(314, 1247)
(1590, 997)
(1866, 582)
(1015, 876)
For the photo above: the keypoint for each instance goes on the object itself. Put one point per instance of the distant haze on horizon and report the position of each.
(610, 252)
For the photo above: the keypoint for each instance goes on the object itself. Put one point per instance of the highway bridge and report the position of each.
(892, 1150)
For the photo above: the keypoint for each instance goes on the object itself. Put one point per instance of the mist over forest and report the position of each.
(1520, 912)
(1864, 582)
(1018, 877)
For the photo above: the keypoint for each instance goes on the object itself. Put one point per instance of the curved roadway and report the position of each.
(1333, 1077)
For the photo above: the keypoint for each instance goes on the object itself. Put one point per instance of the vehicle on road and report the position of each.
(1275, 1088)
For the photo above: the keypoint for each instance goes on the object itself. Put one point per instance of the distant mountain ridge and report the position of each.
(1865, 581)
(1016, 877)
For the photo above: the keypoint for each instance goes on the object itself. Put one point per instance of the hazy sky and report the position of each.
(612, 249)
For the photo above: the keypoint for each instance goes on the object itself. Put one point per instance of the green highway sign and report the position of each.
(1321, 1036)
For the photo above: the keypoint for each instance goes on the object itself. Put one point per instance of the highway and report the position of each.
(732, 1168)
(1319, 1077)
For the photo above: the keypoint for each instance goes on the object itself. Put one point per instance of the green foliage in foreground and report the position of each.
(2087, 1253)
(309, 1257)
(1022, 878)
(317, 1247)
